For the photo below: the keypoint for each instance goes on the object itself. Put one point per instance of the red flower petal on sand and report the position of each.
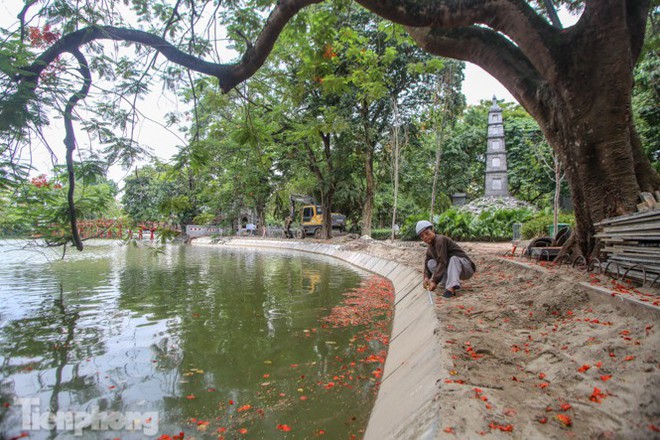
(606, 377)
(565, 406)
(564, 419)
(597, 396)
(584, 368)
(505, 428)
(542, 420)
(629, 358)
(449, 430)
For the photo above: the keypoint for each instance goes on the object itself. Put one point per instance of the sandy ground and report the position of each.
(528, 355)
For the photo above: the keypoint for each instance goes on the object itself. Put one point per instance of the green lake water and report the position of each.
(125, 342)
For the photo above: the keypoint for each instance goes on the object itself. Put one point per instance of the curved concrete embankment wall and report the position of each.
(406, 406)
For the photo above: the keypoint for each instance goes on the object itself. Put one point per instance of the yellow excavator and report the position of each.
(311, 217)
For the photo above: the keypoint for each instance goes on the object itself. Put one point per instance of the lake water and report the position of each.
(129, 342)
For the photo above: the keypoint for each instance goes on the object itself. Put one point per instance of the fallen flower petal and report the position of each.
(597, 396)
(584, 368)
(505, 428)
(564, 419)
(606, 377)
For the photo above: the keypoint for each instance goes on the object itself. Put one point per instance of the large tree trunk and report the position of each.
(577, 84)
(603, 173)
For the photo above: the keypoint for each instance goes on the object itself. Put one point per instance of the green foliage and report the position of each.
(455, 224)
(408, 232)
(538, 226)
(381, 234)
(39, 208)
(490, 225)
(646, 105)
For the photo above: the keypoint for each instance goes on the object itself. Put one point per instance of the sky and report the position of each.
(477, 86)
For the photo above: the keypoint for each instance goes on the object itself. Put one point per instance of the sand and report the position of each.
(529, 354)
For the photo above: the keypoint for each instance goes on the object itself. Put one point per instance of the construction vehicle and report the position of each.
(311, 217)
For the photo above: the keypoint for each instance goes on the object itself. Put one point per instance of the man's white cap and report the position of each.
(422, 225)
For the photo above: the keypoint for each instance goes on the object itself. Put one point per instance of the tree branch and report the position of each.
(637, 12)
(21, 16)
(552, 13)
(513, 18)
(493, 52)
(228, 75)
(70, 142)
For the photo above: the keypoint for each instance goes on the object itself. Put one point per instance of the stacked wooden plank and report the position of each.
(632, 243)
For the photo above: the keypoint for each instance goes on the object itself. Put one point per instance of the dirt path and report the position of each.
(529, 356)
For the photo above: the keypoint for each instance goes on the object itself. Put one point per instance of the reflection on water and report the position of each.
(206, 341)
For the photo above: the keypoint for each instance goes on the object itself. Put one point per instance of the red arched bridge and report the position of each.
(120, 229)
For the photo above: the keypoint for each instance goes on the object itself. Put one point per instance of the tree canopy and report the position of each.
(575, 82)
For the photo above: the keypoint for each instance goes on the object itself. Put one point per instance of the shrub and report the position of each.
(490, 225)
(538, 226)
(407, 231)
(381, 234)
(456, 224)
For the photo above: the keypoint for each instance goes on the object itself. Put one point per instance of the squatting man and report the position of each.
(445, 263)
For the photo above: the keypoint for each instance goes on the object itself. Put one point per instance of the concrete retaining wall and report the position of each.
(405, 407)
